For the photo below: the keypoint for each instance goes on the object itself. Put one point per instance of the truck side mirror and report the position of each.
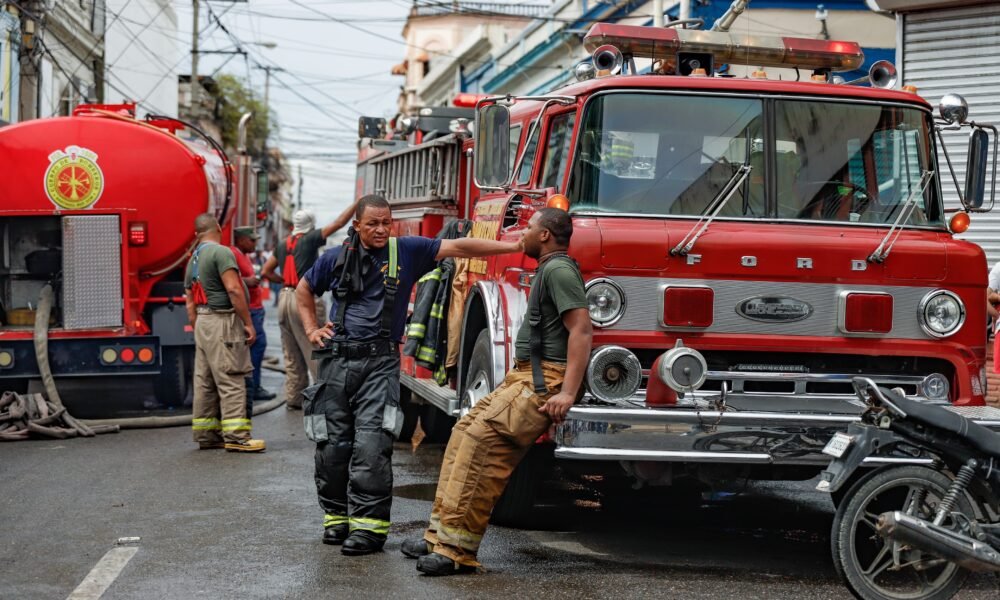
(975, 168)
(492, 155)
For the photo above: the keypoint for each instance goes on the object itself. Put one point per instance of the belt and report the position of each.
(206, 310)
(364, 349)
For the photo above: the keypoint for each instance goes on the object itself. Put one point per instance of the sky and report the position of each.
(336, 57)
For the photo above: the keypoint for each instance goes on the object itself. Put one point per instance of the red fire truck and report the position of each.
(102, 206)
(790, 235)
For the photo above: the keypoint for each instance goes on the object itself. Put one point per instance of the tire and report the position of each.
(514, 508)
(411, 413)
(855, 543)
(174, 383)
(436, 425)
(478, 380)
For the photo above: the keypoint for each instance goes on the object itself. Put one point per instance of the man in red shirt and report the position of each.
(246, 243)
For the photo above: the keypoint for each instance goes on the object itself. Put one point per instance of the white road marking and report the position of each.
(103, 574)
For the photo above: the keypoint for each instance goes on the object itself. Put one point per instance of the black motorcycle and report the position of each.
(916, 487)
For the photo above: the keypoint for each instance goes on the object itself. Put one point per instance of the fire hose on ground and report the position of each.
(24, 414)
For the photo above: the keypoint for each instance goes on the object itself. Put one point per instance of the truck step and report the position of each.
(445, 399)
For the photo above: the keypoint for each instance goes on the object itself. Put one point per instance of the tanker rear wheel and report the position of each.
(174, 383)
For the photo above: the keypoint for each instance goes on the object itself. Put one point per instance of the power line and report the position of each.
(336, 117)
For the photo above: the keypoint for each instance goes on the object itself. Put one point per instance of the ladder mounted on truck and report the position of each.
(418, 175)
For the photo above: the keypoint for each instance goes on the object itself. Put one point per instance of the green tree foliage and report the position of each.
(235, 100)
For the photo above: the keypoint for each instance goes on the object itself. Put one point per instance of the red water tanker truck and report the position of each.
(101, 206)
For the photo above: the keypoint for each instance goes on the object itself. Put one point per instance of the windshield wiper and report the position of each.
(885, 247)
(718, 202)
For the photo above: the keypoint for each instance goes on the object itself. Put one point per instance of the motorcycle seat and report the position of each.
(981, 438)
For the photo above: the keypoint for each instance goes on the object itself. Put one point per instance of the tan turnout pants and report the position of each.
(221, 361)
(295, 345)
(484, 448)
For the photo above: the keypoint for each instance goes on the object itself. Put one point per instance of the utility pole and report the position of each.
(267, 88)
(657, 13)
(298, 202)
(194, 58)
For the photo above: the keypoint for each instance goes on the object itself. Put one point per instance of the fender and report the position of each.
(491, 316)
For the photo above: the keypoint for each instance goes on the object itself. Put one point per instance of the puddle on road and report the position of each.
(415, 491)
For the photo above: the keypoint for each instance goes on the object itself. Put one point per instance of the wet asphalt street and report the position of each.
(225, 526)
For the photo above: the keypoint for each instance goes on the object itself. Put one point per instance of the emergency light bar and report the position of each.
(663, 44)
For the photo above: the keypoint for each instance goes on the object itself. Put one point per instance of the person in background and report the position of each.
(217, 308)
(296, 255)
(992, 301)
(245, 247)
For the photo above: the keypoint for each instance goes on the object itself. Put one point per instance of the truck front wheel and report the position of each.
(174, 382)
(514, 508)
(478, 380)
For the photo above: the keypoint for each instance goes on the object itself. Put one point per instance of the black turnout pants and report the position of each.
(353, 415)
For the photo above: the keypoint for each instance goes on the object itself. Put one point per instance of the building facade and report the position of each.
(61, 57)
(434, 31)
(143, 55)
(10, 44)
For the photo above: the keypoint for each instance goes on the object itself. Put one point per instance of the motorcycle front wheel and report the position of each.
(874, 568)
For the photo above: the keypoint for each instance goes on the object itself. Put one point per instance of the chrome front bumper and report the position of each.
(690, 435)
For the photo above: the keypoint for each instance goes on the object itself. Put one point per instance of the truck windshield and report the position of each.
(658, 154)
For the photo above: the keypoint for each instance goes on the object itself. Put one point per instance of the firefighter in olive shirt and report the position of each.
(217, 307)
(551, 351)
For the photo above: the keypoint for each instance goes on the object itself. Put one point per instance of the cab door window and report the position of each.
(515, 142)
(524, 174)
(557, 150)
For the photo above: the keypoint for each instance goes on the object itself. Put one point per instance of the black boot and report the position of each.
(435, 564)
(261, 394)
(361, 542)
(415, 548)
(335, 535)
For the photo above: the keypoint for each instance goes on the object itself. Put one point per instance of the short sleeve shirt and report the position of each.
(305, 253)
(246, 270)
(363, 316)
(563, 291)
(213, 261)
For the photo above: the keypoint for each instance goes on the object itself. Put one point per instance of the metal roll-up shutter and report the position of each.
(958, 50)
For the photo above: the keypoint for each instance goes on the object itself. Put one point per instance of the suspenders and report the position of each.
(535, 320)
(390, 281)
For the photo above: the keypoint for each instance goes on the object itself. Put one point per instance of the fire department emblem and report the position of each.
(73, 180)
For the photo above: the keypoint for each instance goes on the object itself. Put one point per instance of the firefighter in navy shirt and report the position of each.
(353, 413)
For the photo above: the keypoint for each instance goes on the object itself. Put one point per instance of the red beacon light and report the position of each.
(467, 100)
(664, 44)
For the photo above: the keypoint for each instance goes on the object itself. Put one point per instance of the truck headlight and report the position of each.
(614, 374)
(941, 313)
(606, 302)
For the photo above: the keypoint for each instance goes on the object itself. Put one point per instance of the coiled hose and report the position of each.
(85, 428)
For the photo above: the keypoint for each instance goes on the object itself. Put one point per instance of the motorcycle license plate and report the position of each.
(838, 444)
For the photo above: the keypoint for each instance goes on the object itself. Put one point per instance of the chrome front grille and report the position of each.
(645, 297)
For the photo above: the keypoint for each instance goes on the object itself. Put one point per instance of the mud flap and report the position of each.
(314, 413)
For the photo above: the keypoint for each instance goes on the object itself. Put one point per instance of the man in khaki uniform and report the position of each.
(217, 307)
(296, 255)
(551, 352)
